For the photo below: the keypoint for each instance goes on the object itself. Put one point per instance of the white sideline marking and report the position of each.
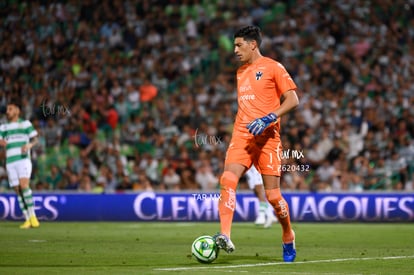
(284, 263)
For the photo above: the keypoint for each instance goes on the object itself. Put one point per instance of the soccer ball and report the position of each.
(204, 249)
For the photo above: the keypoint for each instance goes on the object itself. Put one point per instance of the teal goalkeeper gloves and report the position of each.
(257, 126)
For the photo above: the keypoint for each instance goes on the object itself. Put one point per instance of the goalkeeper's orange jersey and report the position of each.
(260, 86)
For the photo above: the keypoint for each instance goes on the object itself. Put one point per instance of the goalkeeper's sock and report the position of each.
(274, 196)
(28, 199)
(23, 207)
(227, 202)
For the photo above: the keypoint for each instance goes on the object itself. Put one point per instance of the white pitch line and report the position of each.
(37, 241)
(284, 263)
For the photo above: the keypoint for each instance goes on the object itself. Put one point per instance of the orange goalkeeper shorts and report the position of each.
(264, 152)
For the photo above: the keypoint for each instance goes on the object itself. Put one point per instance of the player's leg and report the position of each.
(235, 165)
(270, 215)
(24, 171)
(255, 182)
(261, 215)
(23, 207)
(274, 196)
(28, 200)
(13, 178)
(227, 203)
(268, 165)
(266, 215)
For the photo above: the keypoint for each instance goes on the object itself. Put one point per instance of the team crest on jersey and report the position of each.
(259, 75)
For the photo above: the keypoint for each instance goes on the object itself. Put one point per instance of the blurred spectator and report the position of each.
(398, 167)
(99, 186)
(149, 130)
(52, 133)
(116, 89)
(171, 179)
(205, 178)
(337, 150)
(295, 178)
(111, 181)
(143, 184)
(150, 165)
(112, 117)
(124, 184)
(325, 143)
(87, 166)
(326, 173)
(132, 98)
(314, 156)
(85, 183)
(111, 154)
(134, 173)
(188, 181)
(147, 91)
(123, 109)
(54, 179)
(337, 173)
(130, 131)
(41, 186)
(72, 182)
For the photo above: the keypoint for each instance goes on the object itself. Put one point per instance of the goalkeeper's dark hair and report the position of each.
(250, 33)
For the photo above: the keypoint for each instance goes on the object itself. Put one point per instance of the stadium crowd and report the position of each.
(140, 94)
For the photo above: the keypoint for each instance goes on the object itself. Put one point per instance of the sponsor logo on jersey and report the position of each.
(245, 88)
(247, 97)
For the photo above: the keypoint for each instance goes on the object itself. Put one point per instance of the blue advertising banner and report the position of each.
(149, 206)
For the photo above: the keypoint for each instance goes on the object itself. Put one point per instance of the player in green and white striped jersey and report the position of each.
(18, 136)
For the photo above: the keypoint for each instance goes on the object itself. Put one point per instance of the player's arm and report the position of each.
(33, 141)
(3, 142)
(289, 101)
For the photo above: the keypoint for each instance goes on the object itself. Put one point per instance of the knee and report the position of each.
(279, 204)
(229, 179)
(228, 175)
(24, 183)
(273, 200)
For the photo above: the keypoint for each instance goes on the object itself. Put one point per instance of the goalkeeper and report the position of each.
(265, 92)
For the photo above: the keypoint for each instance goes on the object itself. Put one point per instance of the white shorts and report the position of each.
(253, 177)
(17, 170)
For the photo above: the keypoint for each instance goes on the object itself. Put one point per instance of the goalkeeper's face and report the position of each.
(244, 49)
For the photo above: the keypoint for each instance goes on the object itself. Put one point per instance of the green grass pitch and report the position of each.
(164, 248)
